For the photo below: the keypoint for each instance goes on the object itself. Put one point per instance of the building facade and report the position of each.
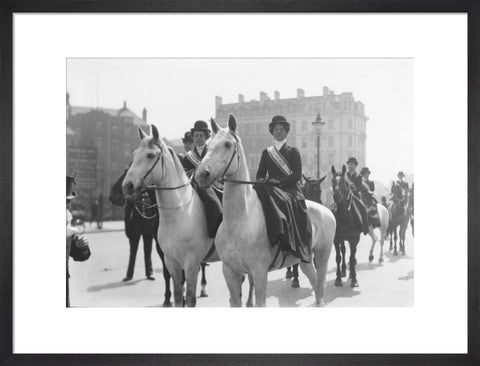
(342, 136)
(100, 142)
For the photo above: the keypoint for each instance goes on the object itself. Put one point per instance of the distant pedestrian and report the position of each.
(93, 212)
(100, 212)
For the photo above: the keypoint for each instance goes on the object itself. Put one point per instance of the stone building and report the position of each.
(100, 142)
(343, 135)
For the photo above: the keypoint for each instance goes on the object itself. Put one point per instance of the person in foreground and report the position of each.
(283, 200)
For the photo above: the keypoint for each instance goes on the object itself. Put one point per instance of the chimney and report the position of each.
(241, 99)
(300, 93)
(144, 114)
(124, 104)
(218, 102)
(68, 99)
(263, 97)
(277, 95)
(325, 91)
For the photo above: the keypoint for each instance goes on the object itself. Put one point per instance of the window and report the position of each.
(330, 141)
(304, 142)
(350, 140)
(350, 124)
(304, 125)
(330, 124)
(331, 158)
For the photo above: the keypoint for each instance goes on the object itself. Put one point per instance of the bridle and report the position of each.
(235, 152)
(154, 187)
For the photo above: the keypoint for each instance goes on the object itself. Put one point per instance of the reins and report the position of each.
(154, 187)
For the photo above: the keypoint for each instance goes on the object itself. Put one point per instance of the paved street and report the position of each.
(98, 281)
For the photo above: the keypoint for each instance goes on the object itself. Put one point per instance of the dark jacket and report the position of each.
(187, 164)
(135, 224)
(290, 183)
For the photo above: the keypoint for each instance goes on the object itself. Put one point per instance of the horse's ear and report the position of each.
(141, 134)
(215, 127)
(322, 179)
(156, 136)
(344, 169)
(232, 123)
(334, 172)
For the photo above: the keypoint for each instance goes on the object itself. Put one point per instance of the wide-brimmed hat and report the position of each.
(201, 126)
(187, 137)
(401, 174)
(70, 182)
(364, 170)
(352, 160)
(279, 120)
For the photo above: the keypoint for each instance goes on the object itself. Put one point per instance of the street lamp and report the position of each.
(317, 125)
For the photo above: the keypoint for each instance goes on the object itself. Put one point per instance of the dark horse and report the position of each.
(312, 191)
(399, 216)
(347, 227)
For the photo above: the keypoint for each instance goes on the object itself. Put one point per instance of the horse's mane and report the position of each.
(171, 158)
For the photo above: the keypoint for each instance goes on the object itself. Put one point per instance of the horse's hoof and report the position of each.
(395, 253)
(370, 257)
(320, 304)
(167, 304)
(203, 293)
(380, 260)
(344, 272)
(295, 283)
(338, 282)
(289, 274)
(249, 305)
(354, 283)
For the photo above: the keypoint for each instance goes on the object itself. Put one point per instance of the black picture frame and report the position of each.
(8, 7)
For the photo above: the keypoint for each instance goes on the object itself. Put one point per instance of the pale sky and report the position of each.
(177, 92)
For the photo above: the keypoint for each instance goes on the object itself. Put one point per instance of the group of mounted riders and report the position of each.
(278, 184)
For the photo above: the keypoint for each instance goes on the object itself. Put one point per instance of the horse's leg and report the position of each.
(250, 291)
(374, 240)
(191, 273)
(395, 252)
(289, 273)
(260, 280)
(353, 263)
(321, 265)
(176, 272)
(309, 270)
(383, 232)
(166, 276)
(403, 231)
(203, 291)
(295, 282)
(234, 284)
(338, 259)
(344, 266)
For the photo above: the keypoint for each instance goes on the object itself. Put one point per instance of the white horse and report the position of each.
(384, 220)
(242, 242)
(183, 229)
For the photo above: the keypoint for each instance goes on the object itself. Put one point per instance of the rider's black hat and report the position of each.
(352, 160)
(201, 126)
(187, 137)
(401, 174)
(364, 170)
(279, 120)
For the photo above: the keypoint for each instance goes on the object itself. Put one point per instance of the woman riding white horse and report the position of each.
(184, 238)
(242, 241)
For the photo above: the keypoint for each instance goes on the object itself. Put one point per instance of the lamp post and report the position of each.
(317, 125)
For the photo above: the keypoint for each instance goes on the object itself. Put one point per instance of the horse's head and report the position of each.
(339, 185)
(222, 159)
(313, 189)
(146, 166)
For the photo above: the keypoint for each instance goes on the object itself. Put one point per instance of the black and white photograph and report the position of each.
(240, 182)
(240, 187)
